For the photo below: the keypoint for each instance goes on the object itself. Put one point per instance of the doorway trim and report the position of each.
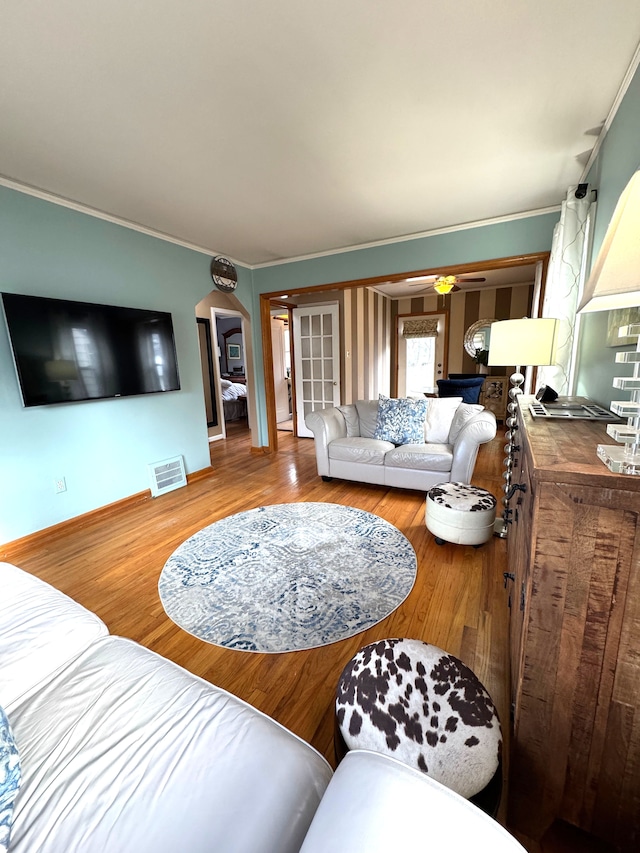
(455, 269)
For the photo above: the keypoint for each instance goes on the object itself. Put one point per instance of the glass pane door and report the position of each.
(317, 360)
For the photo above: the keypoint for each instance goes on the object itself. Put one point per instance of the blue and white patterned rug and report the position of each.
(288, 577)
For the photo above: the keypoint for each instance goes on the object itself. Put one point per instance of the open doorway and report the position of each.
(222, 313)
(368, 357)
(231, 366)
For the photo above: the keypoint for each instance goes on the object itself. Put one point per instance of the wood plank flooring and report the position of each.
(112, 565)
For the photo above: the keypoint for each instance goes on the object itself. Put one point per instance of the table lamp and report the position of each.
(525, 343)
(615, 283)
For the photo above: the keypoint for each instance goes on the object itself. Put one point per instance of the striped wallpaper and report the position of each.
(366, 344)
(368, 320)
(465, 307)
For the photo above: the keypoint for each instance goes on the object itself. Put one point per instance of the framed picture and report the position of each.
(233, 351)
(621, 317)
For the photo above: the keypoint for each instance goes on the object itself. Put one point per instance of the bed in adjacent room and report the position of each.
(234, 400)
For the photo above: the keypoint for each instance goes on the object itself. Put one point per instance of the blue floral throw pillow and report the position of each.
(401, 421)
(9, 780)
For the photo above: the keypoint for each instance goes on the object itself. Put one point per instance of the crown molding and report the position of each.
(450, 229)
(62, 201)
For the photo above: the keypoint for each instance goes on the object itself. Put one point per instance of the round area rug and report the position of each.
(287, 577)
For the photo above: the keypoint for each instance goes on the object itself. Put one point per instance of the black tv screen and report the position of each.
(67, 351)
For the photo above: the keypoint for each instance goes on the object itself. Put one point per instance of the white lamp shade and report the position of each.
(522, 342)
(615, 278)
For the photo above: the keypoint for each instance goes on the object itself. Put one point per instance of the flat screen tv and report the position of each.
(66, 351)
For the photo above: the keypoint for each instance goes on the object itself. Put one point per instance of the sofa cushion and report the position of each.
(464, 413)
(9, 779)
(126, 752)
(41, 630)
(360, 450)
(420, 457)
(400, 420)
(350, 414)
(368, 415)
(375, 803)
(440, 412)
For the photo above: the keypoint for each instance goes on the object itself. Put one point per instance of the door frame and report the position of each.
(443, 304)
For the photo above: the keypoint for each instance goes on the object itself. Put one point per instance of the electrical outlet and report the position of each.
(61, 485)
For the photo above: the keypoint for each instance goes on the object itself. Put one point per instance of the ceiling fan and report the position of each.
(442, 284)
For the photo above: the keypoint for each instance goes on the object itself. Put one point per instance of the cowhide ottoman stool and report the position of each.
(460, 513)
(424, 707)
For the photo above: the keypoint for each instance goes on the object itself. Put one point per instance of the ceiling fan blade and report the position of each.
(471, 279)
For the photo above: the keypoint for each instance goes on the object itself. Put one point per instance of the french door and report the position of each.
(316, 342)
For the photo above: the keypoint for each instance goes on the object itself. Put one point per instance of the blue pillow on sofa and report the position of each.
(468, 389)
(401, 420)
(9, 779)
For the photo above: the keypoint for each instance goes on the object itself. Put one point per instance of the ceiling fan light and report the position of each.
(444, 284)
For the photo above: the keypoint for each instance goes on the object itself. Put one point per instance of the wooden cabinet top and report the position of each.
(566, 450)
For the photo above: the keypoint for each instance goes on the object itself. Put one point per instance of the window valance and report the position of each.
(422, 328)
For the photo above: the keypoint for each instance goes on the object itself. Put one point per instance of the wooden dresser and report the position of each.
(574, 549)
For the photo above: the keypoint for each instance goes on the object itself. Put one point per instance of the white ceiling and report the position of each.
(265, 131)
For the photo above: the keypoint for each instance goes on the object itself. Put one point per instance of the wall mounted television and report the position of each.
(66, 351)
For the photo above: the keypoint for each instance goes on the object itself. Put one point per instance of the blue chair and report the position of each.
(468, 389)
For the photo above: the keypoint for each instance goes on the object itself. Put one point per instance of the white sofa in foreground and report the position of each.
(122, 751)
(452, 432)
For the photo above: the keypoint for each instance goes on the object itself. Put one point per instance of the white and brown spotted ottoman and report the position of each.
(460, 513)
(424, 707)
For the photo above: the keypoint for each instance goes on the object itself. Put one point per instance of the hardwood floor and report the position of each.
(111, 566)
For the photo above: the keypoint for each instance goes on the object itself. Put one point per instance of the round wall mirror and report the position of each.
(477, 336)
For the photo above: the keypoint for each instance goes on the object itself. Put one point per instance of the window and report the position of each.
(421, 364)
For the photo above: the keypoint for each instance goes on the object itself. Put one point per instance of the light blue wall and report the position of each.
(618, 159)
(470, 245)
(103, 447)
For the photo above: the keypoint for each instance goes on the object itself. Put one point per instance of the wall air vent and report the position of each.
(167, 475)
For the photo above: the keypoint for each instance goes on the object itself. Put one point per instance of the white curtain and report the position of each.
(564, 284)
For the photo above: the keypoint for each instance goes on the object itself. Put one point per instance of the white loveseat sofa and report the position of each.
(453, 431)
(122, 751)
